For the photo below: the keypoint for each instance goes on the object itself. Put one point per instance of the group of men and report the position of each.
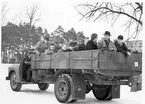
(48, 46)
(106, 44)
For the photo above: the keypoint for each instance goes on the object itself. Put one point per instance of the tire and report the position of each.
(43, 86)
(102, 92)
(15, 86)
(88, 87)
(63, 89)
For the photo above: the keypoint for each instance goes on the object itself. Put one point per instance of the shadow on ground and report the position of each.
(37, 92)
(91, 100)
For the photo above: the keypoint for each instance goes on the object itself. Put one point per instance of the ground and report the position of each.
(30, 94)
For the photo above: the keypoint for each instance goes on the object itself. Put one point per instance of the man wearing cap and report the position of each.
(121, 47)
(43, 46)
(106, 43)
(92, 44)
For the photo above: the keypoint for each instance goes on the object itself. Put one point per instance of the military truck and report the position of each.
(76, 73)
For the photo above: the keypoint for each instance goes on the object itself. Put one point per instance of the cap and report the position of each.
(120, 37)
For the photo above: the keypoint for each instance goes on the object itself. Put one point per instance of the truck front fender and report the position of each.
(15, 69)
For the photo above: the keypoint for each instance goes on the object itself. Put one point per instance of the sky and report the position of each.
(62, 12)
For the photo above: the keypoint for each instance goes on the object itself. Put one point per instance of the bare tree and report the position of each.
(33, 16)
(112, 11)
(4, 10)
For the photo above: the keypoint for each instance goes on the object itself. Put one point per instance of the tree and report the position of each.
(15, 38)
(107, 10)
(71, 34)
(4, 11)
(32, 14)
(80, 35)
(46, 32)
(58, 35)
(59, 31)
(33, 17)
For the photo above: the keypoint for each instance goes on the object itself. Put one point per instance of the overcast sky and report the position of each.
(62, 12)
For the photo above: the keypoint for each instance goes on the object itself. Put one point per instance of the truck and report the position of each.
(76, 73)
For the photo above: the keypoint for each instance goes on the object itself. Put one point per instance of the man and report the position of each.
(52, 47)
(92, 44)
(121, 47)
(72, 46)
(106, 43)
(43, 46)
(58, 47)
(81, 45)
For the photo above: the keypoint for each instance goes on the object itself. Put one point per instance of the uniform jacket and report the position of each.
(102, 45)
(91, 45)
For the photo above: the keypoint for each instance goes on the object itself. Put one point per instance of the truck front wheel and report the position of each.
(101, 92)
(15, 86)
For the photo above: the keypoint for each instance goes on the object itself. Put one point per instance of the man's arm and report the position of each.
(126, 47)
(37, 47)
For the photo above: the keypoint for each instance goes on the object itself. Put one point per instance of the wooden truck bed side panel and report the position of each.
(91, 59)
(135, 62)
(95, 56)
(112, 61)
(60, 60)
(80, 60)
(65, 60)
(41, 61)
(117, 61)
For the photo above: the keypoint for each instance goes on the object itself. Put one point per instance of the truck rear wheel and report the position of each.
(15, 86)
(101, 92)
(43, 86)
(63, 88)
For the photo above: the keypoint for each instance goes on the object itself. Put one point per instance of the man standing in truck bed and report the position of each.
(106, 43)
(43, 46)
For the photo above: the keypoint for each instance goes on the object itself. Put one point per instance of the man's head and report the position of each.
(81, 41)
(52, 47)
(107, 35)
(120, 38)
(94, 37)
